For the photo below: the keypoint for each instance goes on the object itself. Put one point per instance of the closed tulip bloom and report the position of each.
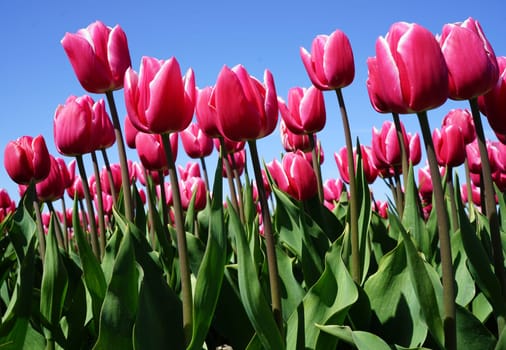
(464, 120)
(245, 108)
(116, 178)
(449, 146)
(386, 151)
(230, 146)
(206, 114)
(158, 99)
(305, 111)
(27, 159)
(189, 187)
(370, 171)
(130, 133)
(53, 186)
(292, 142)
(78, 126)
(76, 185)
(191, 169)
(294, 176)
(7, 205)
(425, 183)
(237, 162)
(330, 65)
(471, 61)
(151, 152)
(195, 142)
(475, 193)
(106, 136)
(99, 56)
(493, 103)
(415, 150)
(332, 190)
(409, 72)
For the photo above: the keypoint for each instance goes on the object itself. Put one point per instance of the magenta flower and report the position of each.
(27, 159)
(305, 111)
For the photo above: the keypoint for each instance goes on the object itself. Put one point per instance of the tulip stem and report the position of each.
(230, 178)
(89, 206)
(100, 203)
(490, 205)
(163, 198)
(57, 225)
(125, 178)
(40, 227)
(353, 222)
(184, 266)
(65, 225)
(315, 156)
(204, 171)
(449, 323)
(109, 175)
(404, 157)
(269, 238)
(451, 194)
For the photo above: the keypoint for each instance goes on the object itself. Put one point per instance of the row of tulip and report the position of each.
(320, 265)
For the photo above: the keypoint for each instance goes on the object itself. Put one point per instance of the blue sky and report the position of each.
(36, 74)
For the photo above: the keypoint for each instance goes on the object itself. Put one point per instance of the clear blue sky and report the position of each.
(36, 74)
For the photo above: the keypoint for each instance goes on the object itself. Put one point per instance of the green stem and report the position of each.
(269, 238)
(65, 225)
(163, 198)
(315, 157)
(89, 207)
(230, 177)
(57, 226)
(491, 209)
(353, 202)
(186, 288)
(469, 189)
(451, 194)
(237, 180)
(204, 172)
(151, 209)
(403, 146)
(40, 228)
(109, 175)
(125, 178)
(100, 203)
(448, 279)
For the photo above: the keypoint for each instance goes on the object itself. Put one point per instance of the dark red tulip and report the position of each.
(27, 159)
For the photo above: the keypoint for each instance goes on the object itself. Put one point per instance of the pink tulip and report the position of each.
(130, 133)
(305, 112)
(99, 56)
(27, 159)
(475, 193)
(370, 170)
(245, 108)
(386, 151)
(75, 189)
(294, 175)
(332, 191)
(330, 64)
(381, 208)
(206, 114)
(195, 142)
(7, 205)
(471, 61)
(449, 146)
(464, 120)
(415, 151)
(493, 103)
(230, 146)
(409, 72)
(79, 126)
(189, 187)
(151, 152)
(53, 186)
(237, 162)
(158, 99)
(292, 142)
(192, 169)
(116, 178)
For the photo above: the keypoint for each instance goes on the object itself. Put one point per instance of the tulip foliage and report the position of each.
(283, 261)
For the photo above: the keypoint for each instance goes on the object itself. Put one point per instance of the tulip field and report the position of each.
(248, 253)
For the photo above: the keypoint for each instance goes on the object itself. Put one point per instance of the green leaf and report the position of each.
(471, 333)
(54, 283)
(394, 301)
(364, 216)
(423, 284)
(327, 302)
(252, 296)
(360, 339)
(119, 308)
(92, 272)
(291, 291)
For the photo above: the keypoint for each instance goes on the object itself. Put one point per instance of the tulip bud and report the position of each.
(27, 159)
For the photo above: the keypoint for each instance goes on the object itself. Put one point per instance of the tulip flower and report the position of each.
(195, 142)
(475, 194)
(190, 170)
(294, 176)
(332, 191)
(493, 103)
(53, 186)
(230, 146)
(474, 73)
(115, 186)
(27, 159)
(245, 108)
(386, 150)
(158, 99)
(79, 126)
(449, 146)
(130, 133)
(370, 170)
(151, 152)
(305, 111)
(409, 72)
(191, 186)
(292, 142)
(206, 114)
(464, 120)
(330, 65)
(381, 208)
(7, 205)
(99, 56)
(237, 162)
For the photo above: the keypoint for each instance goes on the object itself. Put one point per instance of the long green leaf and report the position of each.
(360, 339)
(119, 309)
(211, 270)
(252, 296)
(327, 302)
(54, 283)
